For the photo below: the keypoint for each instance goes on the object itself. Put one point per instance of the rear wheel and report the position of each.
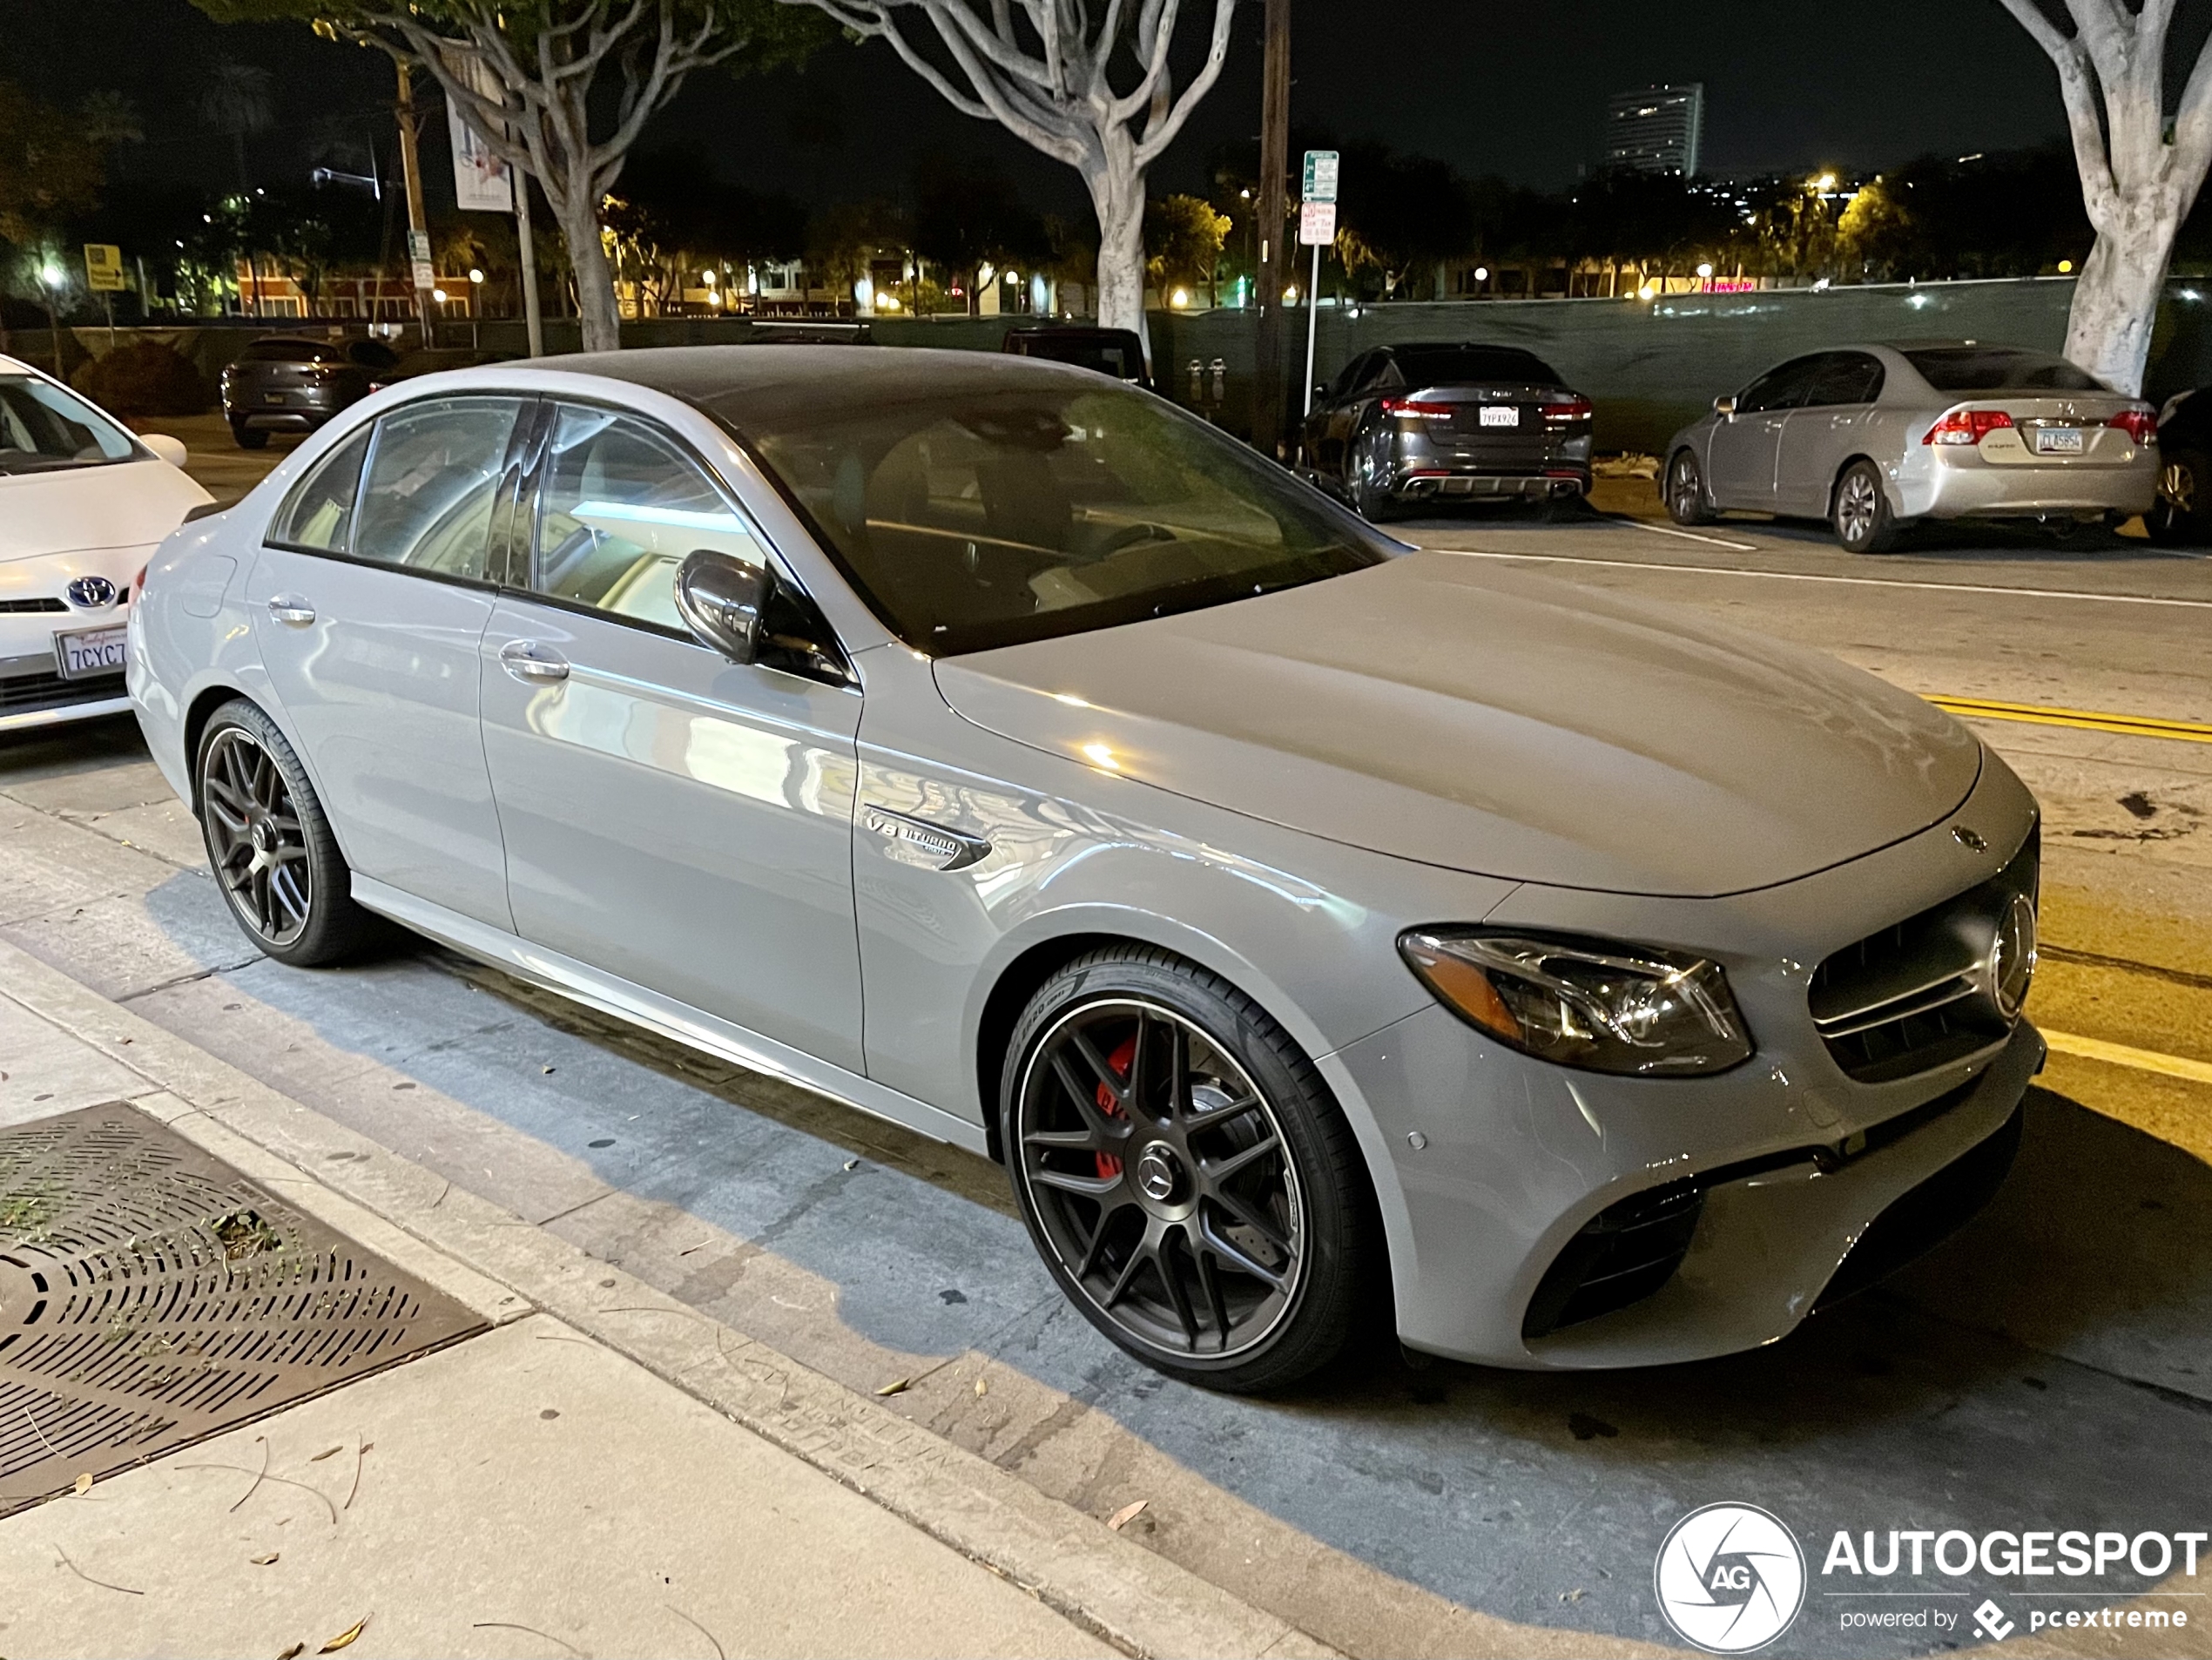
(2182, 515)
(1860, 516)
(1686, 502)
(1371, 475)
(249, 437)
(269, 845)
(1183, 1172)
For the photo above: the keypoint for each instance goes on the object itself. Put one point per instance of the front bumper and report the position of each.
(33, 610)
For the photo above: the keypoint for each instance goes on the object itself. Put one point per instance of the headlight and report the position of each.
(1584, 1003)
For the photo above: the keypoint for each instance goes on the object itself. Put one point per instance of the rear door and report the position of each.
(1746, 445)
(368, 603)
(1825, 430)
(674, 819)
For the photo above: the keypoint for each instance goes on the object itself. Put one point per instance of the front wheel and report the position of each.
(2182, 515)
(1186, 1176)
(1686, 502)
(269, 845)
(1371, 470)
(1861, 515)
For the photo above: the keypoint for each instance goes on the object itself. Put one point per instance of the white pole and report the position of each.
(1312, 313)
(533, 319)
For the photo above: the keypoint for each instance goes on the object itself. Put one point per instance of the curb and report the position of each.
(1128, 1595)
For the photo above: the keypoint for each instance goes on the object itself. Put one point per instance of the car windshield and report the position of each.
(1470, 365)
(44, 427)
(1997, 368)
(1021, 507)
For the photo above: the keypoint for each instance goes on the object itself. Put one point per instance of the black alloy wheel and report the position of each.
(268, 843)
(1860, 516)
(248, 437)
(1686, 502)
(1370, 470)
(1198, 1197)
(2178, 517)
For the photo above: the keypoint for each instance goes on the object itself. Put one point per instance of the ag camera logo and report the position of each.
(1730, 1578)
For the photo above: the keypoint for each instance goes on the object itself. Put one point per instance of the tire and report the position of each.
(1860, 511)
(249, 437)
(1687, 503)
(270, 844)
(1369, 499)
(1232, 1242)
(2182, 517)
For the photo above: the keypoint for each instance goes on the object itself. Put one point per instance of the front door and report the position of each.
(368, 603)
(1746, 446)
(671, 818)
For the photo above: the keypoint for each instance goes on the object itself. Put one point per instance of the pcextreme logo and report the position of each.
(1730, 1578)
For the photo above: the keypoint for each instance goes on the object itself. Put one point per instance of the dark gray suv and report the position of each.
(288, 383)
(1427, 421)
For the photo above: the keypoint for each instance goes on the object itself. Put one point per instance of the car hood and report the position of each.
(124, 505)
(1466, 714)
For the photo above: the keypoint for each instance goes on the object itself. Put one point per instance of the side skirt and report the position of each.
(679, 1021)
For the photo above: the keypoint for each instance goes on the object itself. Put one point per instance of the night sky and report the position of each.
(1513, 90)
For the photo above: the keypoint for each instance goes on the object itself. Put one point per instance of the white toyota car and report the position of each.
(84, 503)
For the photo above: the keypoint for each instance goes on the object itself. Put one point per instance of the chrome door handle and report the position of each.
(291, 610)
(533, 664)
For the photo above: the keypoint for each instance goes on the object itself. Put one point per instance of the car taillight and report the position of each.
(1967, 426)
(1417, 407)
(1569, 409)
(138, 582)
(2141, 425)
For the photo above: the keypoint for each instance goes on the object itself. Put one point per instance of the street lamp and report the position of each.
(1705, 271)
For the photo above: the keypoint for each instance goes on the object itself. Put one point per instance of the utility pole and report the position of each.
(418, 226)
(1274, 164)
(526, 251)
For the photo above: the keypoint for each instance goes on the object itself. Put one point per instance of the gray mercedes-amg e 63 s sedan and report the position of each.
(1316, 928)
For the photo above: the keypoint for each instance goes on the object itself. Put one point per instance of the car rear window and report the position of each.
(1108, 356)
(1997, 368)
(289, 351)
(1471, 364)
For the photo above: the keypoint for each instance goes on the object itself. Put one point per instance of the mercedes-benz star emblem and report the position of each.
(90, 593)
(1970, 839)
(2009, 966)
(1155, 1175)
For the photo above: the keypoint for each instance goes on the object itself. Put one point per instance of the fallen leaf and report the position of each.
(896, 1387)
(981, 1387)
(1575, 1595)
(345, 1637)
(294, 1652)
(544, 1068)
(263, 1562)
(1126, 1515)
(852, 1163)
(84, 1483)
(326, 1453)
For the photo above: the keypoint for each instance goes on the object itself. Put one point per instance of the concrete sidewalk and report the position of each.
(605, 1471)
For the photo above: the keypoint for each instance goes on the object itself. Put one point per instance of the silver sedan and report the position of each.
(1872, 438)
(1313, 926)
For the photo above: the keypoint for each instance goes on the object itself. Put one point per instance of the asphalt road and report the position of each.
(2049, 1368)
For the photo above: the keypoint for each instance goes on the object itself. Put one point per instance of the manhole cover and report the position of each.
(150, 1294)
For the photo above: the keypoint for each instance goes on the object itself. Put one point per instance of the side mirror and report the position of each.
(164, 448)
(721, 600)
(1724, 405)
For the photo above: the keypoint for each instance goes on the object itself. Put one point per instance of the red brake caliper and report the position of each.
(1109, 1165)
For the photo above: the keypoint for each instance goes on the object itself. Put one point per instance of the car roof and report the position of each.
(703, 375)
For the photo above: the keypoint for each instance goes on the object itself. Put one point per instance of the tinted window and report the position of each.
(319, 514)
(1473, 365)
(1107, 356)
(1006, 509)
(371, 354)
(1845, 377)
(1781, 388)
(433, 475)
(1997, 368)
(46, 428)
(619, 508)
(289, 351)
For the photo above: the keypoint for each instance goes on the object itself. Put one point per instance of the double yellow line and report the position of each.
(2187, 732)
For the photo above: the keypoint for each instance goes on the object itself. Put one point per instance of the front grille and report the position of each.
(23, 607)
(1620, 1255)
(22, 693)
(1904, 1001)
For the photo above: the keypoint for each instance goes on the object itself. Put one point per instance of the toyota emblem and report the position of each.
(90, 593)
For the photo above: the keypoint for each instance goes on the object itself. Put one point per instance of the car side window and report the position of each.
(1381, 375)
(619, 506)
(1347, 378)
(317, 516)
(433, 480)
(1780, 389)
(1854, 377)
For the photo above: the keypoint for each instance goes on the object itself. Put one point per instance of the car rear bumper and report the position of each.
(1423, 483)
(1967, 487)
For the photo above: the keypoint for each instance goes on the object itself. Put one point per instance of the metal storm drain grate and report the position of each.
(150, 1294)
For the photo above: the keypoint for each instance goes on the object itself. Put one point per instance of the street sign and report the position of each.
(1316, 223)
(418, 254)
(103, 268)
(1320, 184)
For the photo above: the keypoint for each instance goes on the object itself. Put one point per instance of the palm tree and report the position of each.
(240, 99)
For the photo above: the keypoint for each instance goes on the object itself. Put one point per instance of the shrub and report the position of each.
(144, 378)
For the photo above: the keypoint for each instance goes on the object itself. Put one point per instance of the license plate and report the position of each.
(89, 652)
(272, 397)
(1500, 415)
(2058, 441)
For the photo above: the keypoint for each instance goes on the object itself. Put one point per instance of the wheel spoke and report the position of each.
(1251, 1218)
(1138, 1256)
(284, 883)
(1235, 1256)
(1085, 1098)
(1106, 1219)
(1220, 1171)
(1089, 1186)
(1216, 1305)
(1080, 1042)
(1179, 1293)
(1074, 1141)
(1177, 1103)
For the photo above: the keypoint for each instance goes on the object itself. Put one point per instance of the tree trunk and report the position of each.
(2116, 301)
(595, 284)
(1117, 196)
